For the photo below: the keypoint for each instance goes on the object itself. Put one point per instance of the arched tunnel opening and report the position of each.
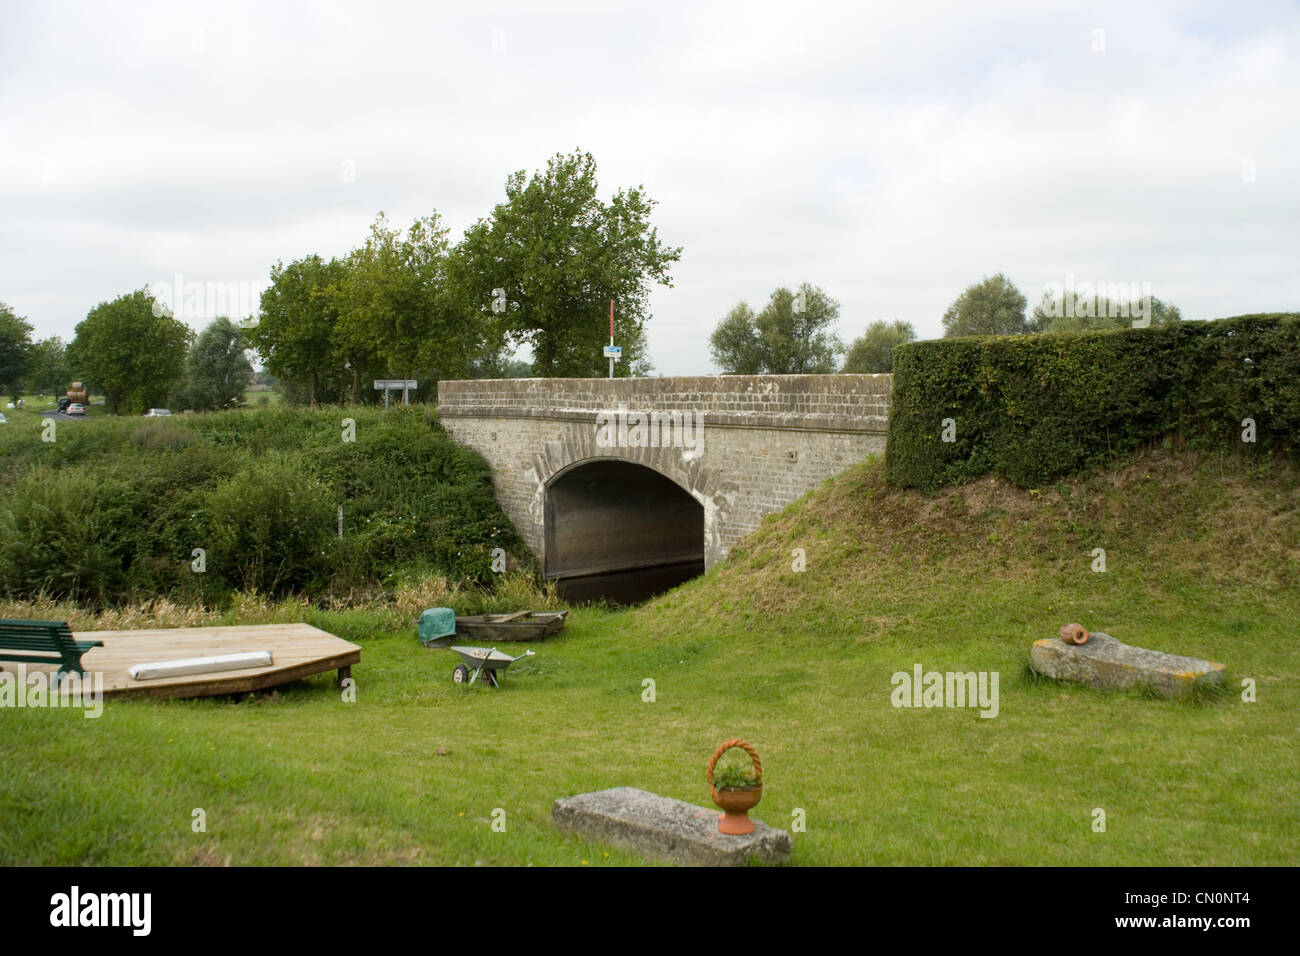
(620, 532)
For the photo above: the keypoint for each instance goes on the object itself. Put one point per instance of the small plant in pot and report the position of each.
(735, 789)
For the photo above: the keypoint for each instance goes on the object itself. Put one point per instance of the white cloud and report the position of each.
(890, 155)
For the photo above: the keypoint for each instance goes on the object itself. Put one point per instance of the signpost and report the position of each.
(405, 384)
(612, 351)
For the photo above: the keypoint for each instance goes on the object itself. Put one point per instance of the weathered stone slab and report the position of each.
(666, 829)
(1107, 663)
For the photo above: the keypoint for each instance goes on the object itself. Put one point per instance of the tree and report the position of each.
(134, 349)
(47, 372)
(15, 350)
(873, 351)
(545, 265)
(397, 312)
(735, 345)
(295, 328)
(1092, 311)
(991, 307)
(216, 371)
(793, 334)
(518, 369)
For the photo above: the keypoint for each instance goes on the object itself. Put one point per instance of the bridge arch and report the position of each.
(620, 529)
(581, 484)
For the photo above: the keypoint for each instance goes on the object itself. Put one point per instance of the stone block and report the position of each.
(1107, 663)
(666, 829)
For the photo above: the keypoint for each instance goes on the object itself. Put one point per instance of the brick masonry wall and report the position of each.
(767, 439)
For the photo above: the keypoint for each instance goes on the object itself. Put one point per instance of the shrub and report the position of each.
(112, 511)
(161, 436)
(269, 529)
(58, 536)
(1033, 408)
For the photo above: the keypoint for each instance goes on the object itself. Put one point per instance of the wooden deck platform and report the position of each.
(297, 651)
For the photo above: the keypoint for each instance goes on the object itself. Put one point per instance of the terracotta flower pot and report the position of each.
(1074, 634)
(736, 804)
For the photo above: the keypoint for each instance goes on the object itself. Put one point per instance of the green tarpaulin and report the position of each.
(436, 622)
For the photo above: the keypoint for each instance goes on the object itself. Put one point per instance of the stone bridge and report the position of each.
(653, 479)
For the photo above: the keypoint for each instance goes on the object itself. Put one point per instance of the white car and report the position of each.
(76, 408)
(156, 413)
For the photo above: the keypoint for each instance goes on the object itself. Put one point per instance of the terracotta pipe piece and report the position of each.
(1074, 634)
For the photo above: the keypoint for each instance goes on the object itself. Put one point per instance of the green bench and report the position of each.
(43, 642)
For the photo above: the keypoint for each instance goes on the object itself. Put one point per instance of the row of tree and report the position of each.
(540, 271)
(994, 306)
(132, 351)
(795, 331)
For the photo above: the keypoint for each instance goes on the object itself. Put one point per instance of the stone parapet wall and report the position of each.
(820, 402)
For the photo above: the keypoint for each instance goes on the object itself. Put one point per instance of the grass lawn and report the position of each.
(1202, 560)
(261, 399)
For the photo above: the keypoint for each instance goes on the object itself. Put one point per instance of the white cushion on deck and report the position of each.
(201, 665)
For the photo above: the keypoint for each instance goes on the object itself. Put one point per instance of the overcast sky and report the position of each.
(890, 153)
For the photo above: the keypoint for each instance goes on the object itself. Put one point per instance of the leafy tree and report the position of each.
(793, 334)
(47, 372)
(294, 330)
(216, 371)
(735, 344)
(397, 312)
(15, 350)
(873, 351)
(134, 349)
(991, 307)
(544, 266)
(1095, 312)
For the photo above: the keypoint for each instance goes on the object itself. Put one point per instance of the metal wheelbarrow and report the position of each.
(482, 662)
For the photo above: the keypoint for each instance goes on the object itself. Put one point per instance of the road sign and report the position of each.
(388, 384)
(614, 351)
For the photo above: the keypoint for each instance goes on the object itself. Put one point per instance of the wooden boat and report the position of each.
(519, 626)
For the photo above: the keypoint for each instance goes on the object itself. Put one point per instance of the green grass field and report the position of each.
(261, 399)
(1202, 559)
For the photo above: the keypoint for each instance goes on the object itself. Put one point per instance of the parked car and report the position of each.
(156, 413)
(76, 408)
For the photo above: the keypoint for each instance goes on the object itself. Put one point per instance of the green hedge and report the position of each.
(1030, 408)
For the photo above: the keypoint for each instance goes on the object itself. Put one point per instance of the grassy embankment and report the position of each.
(1201, 560)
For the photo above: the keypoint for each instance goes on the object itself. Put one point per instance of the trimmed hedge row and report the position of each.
(1030, 408)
